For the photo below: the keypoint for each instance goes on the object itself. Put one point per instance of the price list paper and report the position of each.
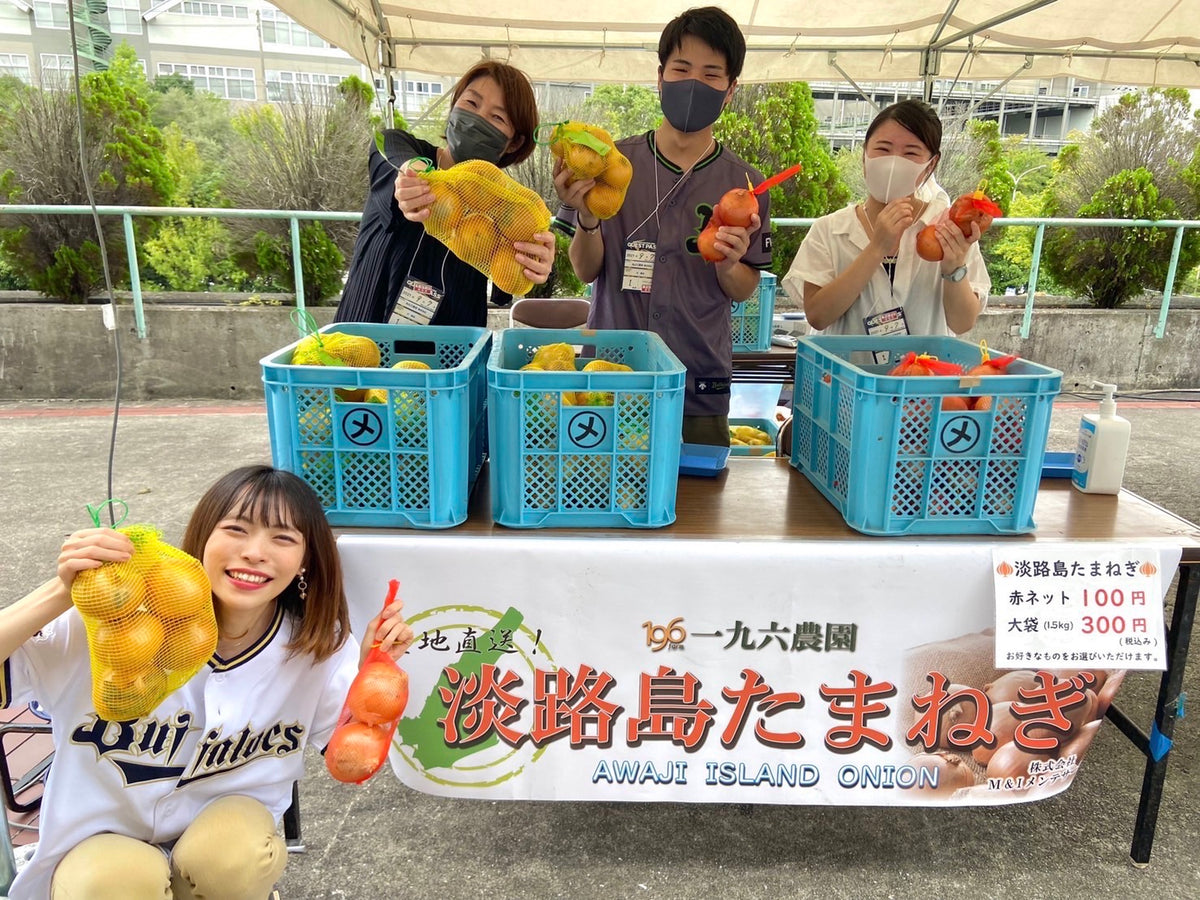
(1074, 606)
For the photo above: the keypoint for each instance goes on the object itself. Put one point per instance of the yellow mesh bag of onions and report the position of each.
(589, 152)
(150, 624)
(479, 213)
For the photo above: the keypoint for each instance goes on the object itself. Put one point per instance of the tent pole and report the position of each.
(833, 63)
(995, 20)
(974, 106)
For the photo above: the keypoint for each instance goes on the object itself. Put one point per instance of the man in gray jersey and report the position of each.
(644, 262)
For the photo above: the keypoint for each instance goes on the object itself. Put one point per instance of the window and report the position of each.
(50, 13)
(125, 16)
(423, 88)
(56, 69)
(288, 87)
(279, 29)
(1079, 90)
(214, 10)
(16, 65)
(224, 81)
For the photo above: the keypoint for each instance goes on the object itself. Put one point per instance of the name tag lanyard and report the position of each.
(888, 321)
(637, 275)
(415, 306)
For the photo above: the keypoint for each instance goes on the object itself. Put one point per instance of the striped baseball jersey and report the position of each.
(239, 726)
(684, 302)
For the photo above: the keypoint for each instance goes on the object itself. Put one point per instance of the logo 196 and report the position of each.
(665, 637)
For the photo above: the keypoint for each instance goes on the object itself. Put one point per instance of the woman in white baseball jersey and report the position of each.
(184, 802)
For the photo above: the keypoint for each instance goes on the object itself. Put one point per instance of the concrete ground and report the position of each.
(384, 840)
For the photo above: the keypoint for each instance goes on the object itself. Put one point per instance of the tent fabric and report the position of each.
(1150, 42)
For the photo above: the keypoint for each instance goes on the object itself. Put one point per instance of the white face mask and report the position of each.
(892, 177)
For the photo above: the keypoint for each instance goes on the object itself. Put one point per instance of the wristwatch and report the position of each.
(957, 275)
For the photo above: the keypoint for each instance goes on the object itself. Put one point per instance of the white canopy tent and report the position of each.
(1148, 42)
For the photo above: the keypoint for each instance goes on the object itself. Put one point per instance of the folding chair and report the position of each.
(29, 758)
(8, 865)
(549, 312)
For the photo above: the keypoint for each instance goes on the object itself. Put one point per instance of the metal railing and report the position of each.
(1179, 225)
(295, 217)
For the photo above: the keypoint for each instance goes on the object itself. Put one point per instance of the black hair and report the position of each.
(918, 117)
(712, 25)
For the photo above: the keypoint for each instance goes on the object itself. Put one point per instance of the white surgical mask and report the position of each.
(892, 177)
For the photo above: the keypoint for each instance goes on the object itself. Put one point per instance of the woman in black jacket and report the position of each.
(493, 117)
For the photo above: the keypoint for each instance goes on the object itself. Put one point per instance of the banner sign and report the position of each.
(560, 668)
(1071, 605)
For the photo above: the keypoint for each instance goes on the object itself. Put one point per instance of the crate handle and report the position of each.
(402, 347)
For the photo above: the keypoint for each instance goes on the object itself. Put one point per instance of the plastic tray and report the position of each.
(884, 452)
(707, 460)
(556, 462)
(410, 461)
(1058, 464)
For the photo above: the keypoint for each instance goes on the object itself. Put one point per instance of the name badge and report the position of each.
(890, 321)
(417, 303)
(639, 266)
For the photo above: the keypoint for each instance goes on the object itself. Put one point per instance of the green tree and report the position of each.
(622, 110)
(1031, 169)
(12, 90)
(202, 118)
(173, 81)
(191, 253)
(973, 155)
(772, 127)
(39, 158)
(1108, 265)
(309, 154)
(356, 91)
(989, 173)
(1010, 255)
(1140, 159)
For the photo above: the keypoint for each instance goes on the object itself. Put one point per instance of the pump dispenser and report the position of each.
(1103, 444)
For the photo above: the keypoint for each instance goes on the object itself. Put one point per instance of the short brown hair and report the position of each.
(275, 497)
(518, 100)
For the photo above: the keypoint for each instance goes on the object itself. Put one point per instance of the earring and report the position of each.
(302, 585)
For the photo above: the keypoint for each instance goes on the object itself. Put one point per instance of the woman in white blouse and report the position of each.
(858, 269)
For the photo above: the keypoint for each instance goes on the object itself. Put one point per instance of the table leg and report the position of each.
(1167, 710)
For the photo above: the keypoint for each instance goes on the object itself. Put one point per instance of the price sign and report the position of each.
(1065, 606)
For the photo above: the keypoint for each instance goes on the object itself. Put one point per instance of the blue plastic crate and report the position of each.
(555, 462)
(754, 317)
(410, 461)
(884, 452)
(768, 425)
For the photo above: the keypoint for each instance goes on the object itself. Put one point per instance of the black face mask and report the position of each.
(691, 105)
(469, 136)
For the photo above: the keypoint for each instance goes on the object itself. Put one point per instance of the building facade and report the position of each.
(241, 50)
(1044, 112)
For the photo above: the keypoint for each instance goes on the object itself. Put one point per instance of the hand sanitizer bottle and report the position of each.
(1103, 444)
